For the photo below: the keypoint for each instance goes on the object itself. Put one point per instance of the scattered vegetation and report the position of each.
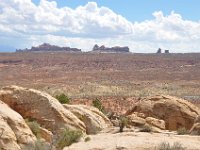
(41, 145)
(146, 128)
(68, 137)
(87, 139)
(123, 122)
(63, 99)
(34, 126)
(97, 103)
(166, 146)
(182, 131)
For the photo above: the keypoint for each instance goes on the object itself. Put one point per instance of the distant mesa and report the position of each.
(159, 51)
(116, 49)
(48, 47)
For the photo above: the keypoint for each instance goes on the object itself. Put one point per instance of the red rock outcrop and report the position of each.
(174, 111)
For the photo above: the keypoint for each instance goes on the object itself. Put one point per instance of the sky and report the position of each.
(143, 25)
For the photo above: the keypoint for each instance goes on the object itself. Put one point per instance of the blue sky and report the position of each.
(143, 25)
(139, 10)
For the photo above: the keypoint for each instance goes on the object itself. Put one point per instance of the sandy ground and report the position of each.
(135, 141)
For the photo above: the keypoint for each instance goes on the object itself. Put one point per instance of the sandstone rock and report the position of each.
(42, 107)
(115, 122)
(156, 122)
(195, 130)
(48, 47)
(14, 133)
(93, 119)
(174, 111)
(135, 120)
(46, 134)
(197, 120)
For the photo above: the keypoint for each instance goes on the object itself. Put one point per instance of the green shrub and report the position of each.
(35, 127)
(182, 131)
(41, 145)
(97, 103)
(146, 128)
(63, 99)
(68, 137)
(87, 139)
(166, 146)
(123, 122)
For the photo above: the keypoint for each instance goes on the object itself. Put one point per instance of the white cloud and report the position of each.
(26, 24)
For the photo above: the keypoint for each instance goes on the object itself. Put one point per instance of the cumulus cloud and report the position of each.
(22, 23)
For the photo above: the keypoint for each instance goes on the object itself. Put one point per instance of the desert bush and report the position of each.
(35, 127)
(182, 131)
(41, 145)
(167, 146)
(63, 99)
(87, 139)
(68, 137)
(97, 103)
(146, 128)
(123, 122)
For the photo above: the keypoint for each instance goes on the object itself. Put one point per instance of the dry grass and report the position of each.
(93, 75)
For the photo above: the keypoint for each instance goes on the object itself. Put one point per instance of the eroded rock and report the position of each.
(40, 106)
(93, 119)
(174, 111)
(14, 133)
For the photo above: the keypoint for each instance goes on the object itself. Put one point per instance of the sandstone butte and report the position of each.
(161, 113)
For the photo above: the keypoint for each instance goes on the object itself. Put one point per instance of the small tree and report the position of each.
(123, 121)
(97, 103)
(63, 99)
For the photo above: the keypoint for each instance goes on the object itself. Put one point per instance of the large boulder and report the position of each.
(40, 106)
(156, 122)
(93, 119)
(174, 111)
(14, 133)
(136, 120)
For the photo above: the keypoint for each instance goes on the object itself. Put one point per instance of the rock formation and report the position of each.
(45, 110)
(195, 130)
(48, 47)
(93, 119)
(116, 49)
(159, 51)
(14, 133)
(166, 51)
(175, 112)
(39, 106)
(136, 120)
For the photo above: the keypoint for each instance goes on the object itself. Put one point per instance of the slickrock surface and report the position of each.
(14, 133)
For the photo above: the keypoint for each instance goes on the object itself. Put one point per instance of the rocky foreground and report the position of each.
(161, 116)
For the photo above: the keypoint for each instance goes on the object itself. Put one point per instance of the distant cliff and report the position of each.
(116, 49)
(48, 47)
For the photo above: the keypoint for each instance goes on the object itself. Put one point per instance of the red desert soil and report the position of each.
(112, 77)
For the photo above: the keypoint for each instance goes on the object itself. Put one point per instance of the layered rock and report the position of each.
(42, 107)
(175, 112)
(138, 120)
(48, 47)
(93, 119)
(116, 49)
(14, 133)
